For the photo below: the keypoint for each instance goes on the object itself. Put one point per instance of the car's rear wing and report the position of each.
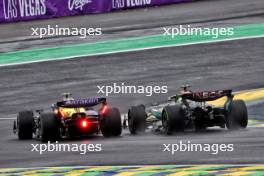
(207, 95)
(88, 102)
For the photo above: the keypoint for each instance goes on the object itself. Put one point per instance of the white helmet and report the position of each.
(67, 97)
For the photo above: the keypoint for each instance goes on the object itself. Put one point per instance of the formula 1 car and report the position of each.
(190, 110)
(69, 118)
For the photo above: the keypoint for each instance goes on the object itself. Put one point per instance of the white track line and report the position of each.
(11, 118)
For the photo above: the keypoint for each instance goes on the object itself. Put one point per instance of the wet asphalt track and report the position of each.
(234, 64)
(137, 22)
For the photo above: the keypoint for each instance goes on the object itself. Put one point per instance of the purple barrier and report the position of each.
(22, 10)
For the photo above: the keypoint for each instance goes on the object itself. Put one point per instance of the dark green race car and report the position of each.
(189, 110)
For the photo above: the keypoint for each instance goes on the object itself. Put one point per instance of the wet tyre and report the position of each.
(173, 119)
(237, 117)
(137, 119)
(25, 122)
(49, 127)
(110, 124)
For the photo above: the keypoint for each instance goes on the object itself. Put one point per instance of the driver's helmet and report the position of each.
(185, 89)
(67, 97)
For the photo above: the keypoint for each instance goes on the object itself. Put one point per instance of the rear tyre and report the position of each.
(173, 119)
(25, 122)
(49, 127)
(237, 117)
(137, 119)
(110, 124)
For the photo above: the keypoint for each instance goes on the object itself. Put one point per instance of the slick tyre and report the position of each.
(25, 122)
(49, 127)
(137, 119)
(110, 123)
(172, 119)
(237, 117)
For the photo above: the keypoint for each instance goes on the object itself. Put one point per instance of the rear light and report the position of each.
(84, 123)
(104, 109)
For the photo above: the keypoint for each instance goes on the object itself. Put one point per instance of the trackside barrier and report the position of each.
(23, 10)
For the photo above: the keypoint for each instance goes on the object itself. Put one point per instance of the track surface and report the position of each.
(236, 64)
(215, 66)
(135, 22)
(200, 11)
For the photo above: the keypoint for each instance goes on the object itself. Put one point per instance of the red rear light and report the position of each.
(84, 123)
